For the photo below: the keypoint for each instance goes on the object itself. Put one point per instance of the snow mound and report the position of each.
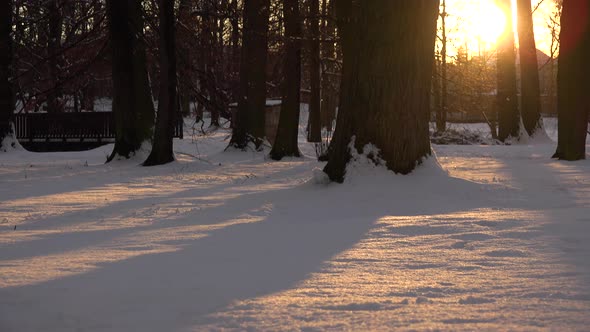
(368, 166)
(10, 143)
(319, 177)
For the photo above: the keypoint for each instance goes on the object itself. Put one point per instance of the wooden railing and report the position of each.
(84, 126)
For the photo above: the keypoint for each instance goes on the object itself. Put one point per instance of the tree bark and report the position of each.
(6, 95)
(248, 127)
(573, 80)
(529, 70)
(162, 147)
(387, 73)
(314, 133)
(55, 27)
(184, 56)
(235, 45)
(286, 143)
(507, 100)
(209, 58)
(132, 100)
(441, 117)
(330, 81)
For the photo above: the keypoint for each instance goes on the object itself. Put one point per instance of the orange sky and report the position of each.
(475, 24)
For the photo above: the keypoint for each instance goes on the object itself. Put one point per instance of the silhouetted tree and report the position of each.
(387, 72)
(162, 147)
(330, 70)
(250, 121)
(573, 80)
(508, 115)
(441, 114)
(529, 70)
(132, 100)
(314, 127)
(6, 97)
(54, 55)
(285, 144)
(184, 55)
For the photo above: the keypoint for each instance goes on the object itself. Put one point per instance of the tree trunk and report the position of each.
(249, 125)
(385, 98)
(436, 86)
(441, 116)
(55, 94)
(6, 96)
(184, 56)
(573, 81)
(209, 58)
(330, 81)
(162, 147)
(132, 100)
(235, 44)
(529, 70)
(286, 141)
(507, 100)
(314, 133)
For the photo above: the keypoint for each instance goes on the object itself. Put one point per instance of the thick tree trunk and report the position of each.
(330, 78)
(507, 100)
(387, 48)
(286, 144)
(162, 147)
(6, 96)
(314, 127)
(249, 125)
(132, 100)
(529, 70)
(573, 80)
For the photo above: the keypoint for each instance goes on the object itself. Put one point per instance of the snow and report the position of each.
(478, 238)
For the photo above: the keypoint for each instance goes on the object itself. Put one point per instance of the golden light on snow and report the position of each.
(50, 266)
(409, 269)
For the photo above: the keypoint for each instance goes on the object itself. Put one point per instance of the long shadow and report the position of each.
(557, 191)
(304, 227)
(51, 243)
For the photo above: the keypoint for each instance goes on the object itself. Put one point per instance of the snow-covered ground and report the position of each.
(498, 240)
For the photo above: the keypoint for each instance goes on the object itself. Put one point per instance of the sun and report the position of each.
(490, 22)
(474, 26)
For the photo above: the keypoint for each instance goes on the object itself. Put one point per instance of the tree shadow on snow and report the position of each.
(287, 234)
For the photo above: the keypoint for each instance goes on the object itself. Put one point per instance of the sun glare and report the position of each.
(490, 22)
(475, 26)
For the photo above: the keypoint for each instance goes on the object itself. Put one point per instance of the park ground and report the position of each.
(480, 237)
